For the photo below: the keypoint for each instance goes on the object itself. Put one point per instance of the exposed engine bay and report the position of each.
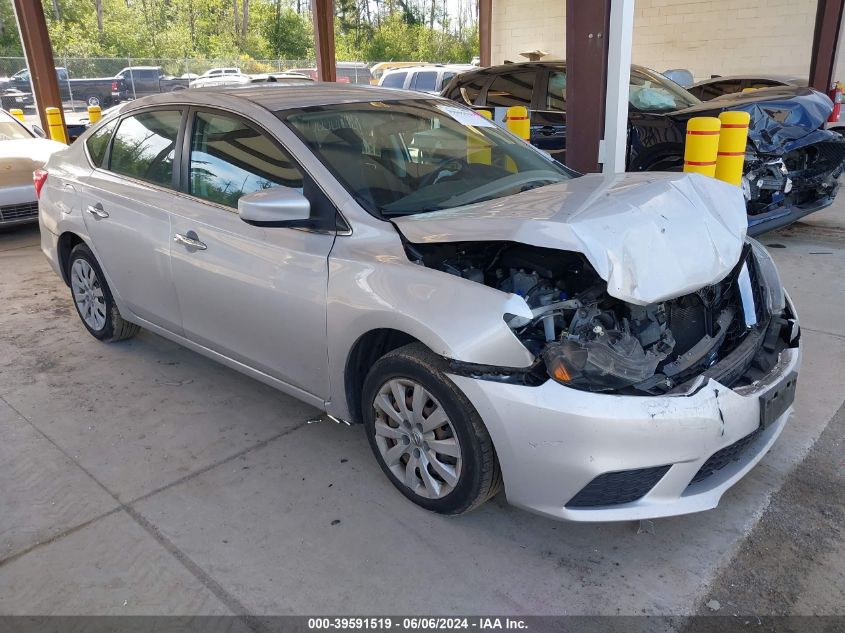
(585, 338)
(798, 177)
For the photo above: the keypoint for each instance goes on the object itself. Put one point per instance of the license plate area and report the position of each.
(778, 399)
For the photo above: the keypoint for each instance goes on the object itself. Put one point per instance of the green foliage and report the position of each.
(212, 29)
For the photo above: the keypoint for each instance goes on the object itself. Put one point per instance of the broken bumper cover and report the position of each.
(677, 454)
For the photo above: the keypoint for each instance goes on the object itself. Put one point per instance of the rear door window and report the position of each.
(144, 146)
(426, 80)
(511, 89)
(394, 80)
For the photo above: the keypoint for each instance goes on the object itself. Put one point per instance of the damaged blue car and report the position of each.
(792, 163)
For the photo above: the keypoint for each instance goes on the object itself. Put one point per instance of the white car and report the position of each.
(242, 80)
(603, 347)
(429, 78)
(21, 153)
(217, 72)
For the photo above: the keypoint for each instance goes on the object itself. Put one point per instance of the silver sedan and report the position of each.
(600, 347)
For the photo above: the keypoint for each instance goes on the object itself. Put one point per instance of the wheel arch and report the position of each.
(365, 351)
(67, 241)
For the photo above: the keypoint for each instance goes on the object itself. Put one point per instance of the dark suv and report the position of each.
(792, 163)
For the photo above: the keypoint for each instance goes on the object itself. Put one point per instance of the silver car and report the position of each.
(601, 347)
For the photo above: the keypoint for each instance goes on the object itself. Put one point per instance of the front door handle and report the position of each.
(97, 210)
(190, 240)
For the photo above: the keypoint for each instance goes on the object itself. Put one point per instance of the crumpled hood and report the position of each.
(779, 116)
(651, 236)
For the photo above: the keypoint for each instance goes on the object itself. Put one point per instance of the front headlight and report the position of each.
(773, 291)
(605, 361)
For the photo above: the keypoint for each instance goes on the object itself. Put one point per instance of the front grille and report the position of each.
(623, 486)
(18, 211)
(725, 456)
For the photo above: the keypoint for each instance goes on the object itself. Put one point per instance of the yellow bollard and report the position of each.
(478, 150)
(18, 114)
(701, 145)
(517, 121)
(55, 125)
(732, 139)
(95, 113)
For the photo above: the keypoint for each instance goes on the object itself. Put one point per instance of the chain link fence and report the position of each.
(102, 67)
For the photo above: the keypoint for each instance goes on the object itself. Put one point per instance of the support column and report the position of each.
(322, 12)
(35, 40)
(485, 29)
(620, 41)
(586, 81)
(825, 40)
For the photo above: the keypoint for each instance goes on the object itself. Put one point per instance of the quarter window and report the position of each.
(511, 89)
(98, 143)
(230, 159)
(144, 146)
(556, 95)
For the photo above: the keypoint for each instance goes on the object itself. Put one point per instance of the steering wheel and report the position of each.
(434, 175)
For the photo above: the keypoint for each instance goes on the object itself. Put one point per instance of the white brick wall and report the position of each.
(721, 37)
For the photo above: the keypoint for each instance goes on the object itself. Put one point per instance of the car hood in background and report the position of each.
(20, 157)
(781, 117)
(651, 236)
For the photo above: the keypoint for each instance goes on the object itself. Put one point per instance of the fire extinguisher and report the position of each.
(835, 95)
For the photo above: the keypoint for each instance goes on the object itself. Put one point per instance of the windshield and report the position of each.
(406, 157)
(11, 129)
(652, 92)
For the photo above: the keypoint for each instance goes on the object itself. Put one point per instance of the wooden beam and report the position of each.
(39, 57)
(586, 81)
(825, 40)
(485, 28)
(322, 12)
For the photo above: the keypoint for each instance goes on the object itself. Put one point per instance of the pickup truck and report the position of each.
(97, 91)
(140, 81)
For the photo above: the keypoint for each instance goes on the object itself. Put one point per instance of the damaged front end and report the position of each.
(732, 331)
(779, 189)
(792, 164)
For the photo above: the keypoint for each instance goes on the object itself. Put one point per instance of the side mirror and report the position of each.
(38, 131)
(281, 207)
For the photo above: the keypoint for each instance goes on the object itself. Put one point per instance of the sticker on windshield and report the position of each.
(466, 117)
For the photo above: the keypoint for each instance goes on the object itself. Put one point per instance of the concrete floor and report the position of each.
(141, 478)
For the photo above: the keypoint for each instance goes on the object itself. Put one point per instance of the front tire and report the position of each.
(427, 437)
(93, 299)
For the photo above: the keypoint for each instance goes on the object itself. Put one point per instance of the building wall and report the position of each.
(707, 37)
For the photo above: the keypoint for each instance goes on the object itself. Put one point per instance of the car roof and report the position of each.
(788, 79)
(541, 65)
(429, 67)
(279, 95)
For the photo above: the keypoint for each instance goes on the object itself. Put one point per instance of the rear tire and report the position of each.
(425, 434)
(93, 299)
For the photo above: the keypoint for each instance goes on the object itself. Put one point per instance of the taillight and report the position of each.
(114, 85)
(39, 177)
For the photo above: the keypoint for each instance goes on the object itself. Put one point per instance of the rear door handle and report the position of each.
(97, 210)
(190, 240)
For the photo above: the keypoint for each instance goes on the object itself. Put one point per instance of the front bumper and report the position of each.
(552, 441)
